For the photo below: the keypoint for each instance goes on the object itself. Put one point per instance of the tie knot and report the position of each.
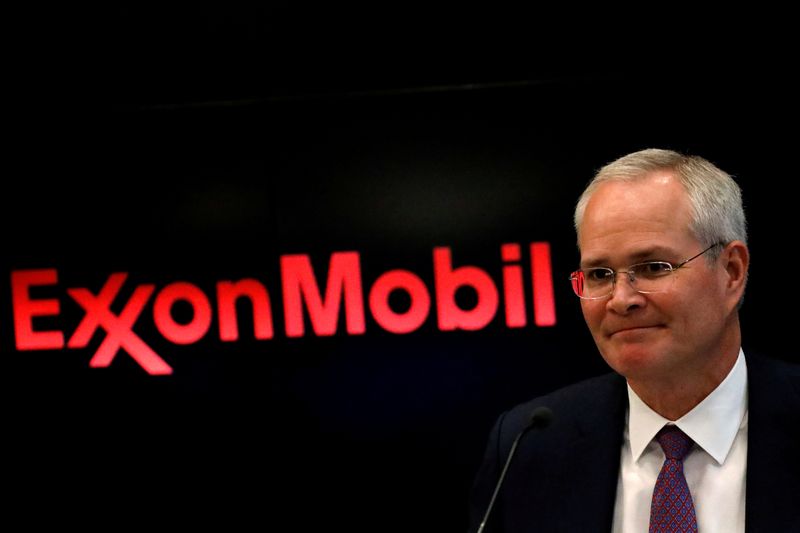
(674, 442)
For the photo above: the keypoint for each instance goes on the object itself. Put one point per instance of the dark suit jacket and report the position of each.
(564, 478)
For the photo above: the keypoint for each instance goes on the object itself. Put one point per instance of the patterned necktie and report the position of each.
(672, 509)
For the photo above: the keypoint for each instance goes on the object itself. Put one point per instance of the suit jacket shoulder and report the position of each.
(572, 464)
(773, 445)
(564, 478)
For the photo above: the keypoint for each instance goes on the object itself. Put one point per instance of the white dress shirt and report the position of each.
(714, 468)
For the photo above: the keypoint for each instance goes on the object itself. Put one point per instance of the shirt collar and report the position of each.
(712, 424)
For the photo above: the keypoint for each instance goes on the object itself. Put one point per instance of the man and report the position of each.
(688, 434)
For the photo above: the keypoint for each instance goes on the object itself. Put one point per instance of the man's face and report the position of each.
(661, 335)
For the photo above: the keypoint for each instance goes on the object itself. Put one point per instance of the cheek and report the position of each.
(699, 299)
(706, 312)
(694, 310)
(592, 313)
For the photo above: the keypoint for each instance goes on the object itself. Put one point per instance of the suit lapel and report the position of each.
(773, 448)
(590, 466)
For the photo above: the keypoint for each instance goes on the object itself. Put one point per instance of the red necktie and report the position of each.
(672, 509)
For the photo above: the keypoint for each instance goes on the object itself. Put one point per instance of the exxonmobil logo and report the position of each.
(300, 294)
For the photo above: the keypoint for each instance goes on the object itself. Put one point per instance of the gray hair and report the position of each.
(716, 200)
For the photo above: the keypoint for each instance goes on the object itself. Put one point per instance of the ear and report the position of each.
(736, 260)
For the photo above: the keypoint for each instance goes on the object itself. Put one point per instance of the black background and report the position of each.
(202, 145)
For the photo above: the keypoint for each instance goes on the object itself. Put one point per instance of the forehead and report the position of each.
(627, 220)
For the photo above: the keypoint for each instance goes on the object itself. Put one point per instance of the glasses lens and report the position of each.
(653, 276)
(593, 282)
(577, 282)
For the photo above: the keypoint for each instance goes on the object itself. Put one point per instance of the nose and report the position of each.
(624, 296)
(627, 274)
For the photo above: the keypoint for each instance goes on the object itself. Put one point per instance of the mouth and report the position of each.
(633, 330)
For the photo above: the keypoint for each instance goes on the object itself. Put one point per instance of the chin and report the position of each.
(632, 360)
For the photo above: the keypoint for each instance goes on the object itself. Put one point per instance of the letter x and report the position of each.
(119, 328)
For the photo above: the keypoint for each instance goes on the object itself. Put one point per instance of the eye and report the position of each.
(598, 275)
(652, 269)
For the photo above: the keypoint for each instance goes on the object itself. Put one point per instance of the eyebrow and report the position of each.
(638, 256)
